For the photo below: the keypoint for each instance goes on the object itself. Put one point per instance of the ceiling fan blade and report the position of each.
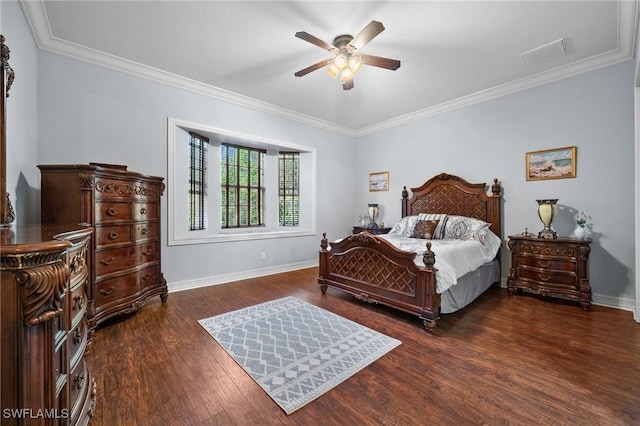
(347, 84)
(313, 67)
(315, 40)
(366, 35)
(377, 61)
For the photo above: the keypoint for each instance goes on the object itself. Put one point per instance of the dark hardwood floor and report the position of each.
(504, 360)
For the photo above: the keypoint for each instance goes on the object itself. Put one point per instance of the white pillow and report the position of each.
(466, 228)
(404, 227)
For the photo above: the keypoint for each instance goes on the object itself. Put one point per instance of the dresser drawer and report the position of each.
(76, 343)
(146, 211)
(78, 304)
(547, 263)
(546, 277)
(117, 288)
(146, 231)
(110, 211)
(116, 234)
(118, 259)
(110, 188)
(79, 381)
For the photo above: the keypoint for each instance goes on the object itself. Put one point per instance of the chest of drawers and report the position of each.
(550, 267)
(43, 332)
(124, 209)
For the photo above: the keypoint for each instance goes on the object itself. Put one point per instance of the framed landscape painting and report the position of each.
(379, 181)
(558, 163)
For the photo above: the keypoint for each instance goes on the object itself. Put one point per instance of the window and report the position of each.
(289, 188)
(197, 182)
(241, 176)
(224, 186)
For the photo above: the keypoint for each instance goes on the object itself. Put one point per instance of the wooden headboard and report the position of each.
(453, 195)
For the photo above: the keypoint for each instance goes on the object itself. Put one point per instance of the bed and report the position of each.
(376, 269)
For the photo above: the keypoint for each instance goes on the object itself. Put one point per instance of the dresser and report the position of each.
(550, 267)
(43, 333)
(124, 209)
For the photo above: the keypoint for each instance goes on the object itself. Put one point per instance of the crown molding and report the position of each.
(628, 17)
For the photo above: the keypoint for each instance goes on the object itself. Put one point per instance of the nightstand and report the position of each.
(374, 231)
(550, 267)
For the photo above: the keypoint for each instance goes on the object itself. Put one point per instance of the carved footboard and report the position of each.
(373, 270)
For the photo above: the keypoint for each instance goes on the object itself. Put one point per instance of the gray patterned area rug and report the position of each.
(294, 350)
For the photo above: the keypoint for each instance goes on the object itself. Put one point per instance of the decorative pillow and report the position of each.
(466, 228)
(404, 227)
(425, 229)
(439, 232)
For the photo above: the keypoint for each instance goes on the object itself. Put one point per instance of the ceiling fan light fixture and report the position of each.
(347, 74)
(333, 71)
(354, 64)
(340, 61)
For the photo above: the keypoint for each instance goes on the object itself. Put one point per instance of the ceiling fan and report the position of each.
(347, 60)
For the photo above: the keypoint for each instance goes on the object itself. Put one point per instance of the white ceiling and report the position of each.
(453, 53)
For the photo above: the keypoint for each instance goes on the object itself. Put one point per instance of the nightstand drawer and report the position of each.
(547, 263)
(544, 248)
(547, 277)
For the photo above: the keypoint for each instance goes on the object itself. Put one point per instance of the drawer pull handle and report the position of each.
(544, 277)
(79, 301)
(107, 262)
(79, 380)
(77, 336)
(111, 212)
(143, 210)
(106, 292)
(143, 231)
(113, 235)
(543, 264)
(147, 252)
(147, 277)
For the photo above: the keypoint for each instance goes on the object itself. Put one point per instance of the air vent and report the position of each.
(545, 53)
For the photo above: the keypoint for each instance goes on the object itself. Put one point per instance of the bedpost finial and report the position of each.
(495, 188)
(324, 243)
(429, 257)
(405, 193)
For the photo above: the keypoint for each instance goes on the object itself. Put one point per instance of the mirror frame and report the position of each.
(7, 215)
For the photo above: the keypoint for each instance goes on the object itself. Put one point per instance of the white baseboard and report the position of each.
(601, 300)
(222, 279)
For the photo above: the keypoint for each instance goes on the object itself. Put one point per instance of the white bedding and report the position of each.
(454, 257)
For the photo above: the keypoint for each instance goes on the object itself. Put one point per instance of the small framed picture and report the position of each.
(379, 181)
(558, 163)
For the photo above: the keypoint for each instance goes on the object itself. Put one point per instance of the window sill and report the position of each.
(241, 236)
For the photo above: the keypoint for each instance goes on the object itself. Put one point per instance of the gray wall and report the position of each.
(22, 175)
(592, 111)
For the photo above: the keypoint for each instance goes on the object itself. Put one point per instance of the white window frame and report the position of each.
(177, 186)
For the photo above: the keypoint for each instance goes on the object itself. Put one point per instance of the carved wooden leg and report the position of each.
(429, 325)
(323, 288)
(164, 296)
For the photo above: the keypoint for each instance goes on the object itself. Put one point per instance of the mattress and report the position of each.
(455, 258)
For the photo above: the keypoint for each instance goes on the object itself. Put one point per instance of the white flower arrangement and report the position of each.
(581, 219)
